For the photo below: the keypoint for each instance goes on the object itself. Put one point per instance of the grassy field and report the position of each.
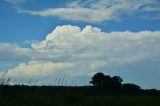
(49, 96)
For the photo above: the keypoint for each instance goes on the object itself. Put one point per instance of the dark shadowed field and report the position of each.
(73, 96)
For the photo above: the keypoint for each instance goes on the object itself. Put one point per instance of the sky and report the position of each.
(45, 41)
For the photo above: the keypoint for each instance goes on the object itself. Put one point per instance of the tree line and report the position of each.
(114, 84)
(100, 82)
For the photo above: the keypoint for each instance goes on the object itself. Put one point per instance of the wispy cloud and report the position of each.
(15, 2)
(149, 8)
(94, 11)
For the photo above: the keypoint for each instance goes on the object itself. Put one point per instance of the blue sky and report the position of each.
(52, 38)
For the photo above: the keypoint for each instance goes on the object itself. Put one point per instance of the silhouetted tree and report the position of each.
(132, 88)
(150, 91)
(98, 80)
(105, 81)
(116, 82)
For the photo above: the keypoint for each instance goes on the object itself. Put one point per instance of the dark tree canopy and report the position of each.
(131, 87)
(116, 82)
(105, 81)
(99, 80)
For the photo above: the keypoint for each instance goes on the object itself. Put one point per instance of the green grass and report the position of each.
(71, 97)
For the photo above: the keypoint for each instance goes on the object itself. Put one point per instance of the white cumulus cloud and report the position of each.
(76, 51)
(9, 52)
(37, 68)
(90, 42)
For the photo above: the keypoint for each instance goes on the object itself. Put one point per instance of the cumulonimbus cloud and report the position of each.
(93, 11)
(79, 51)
